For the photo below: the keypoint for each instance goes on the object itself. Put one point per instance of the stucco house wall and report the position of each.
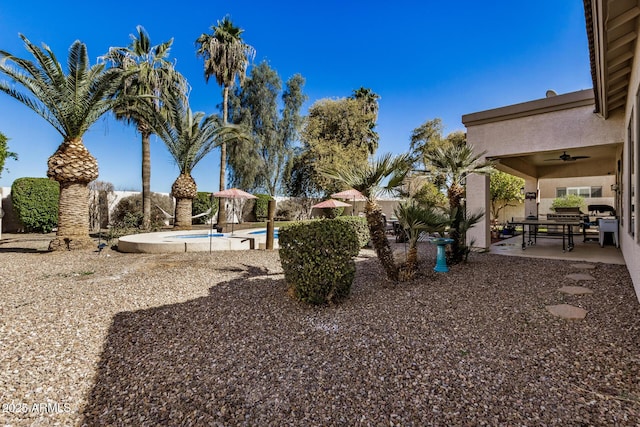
(629, 243)
(548, 190)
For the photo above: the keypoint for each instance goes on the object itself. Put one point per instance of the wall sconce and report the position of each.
(614, 187)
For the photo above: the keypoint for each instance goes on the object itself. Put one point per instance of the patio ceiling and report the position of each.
(612, 35)
(547, 164)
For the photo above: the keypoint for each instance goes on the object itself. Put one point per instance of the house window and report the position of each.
(585, 192)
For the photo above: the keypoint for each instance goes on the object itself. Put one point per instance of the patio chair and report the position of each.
(399, 232)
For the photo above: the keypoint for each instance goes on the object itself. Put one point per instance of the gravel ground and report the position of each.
(200, 339)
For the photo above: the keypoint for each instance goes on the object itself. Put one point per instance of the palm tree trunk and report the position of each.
(146, 179)
(184, 189)
(379, 240)
(222, 212)
(73, 167)
(183, 214)
(73, 218)
(456, 249)
(412, 262)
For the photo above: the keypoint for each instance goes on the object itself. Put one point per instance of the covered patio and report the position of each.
(592, 132)
(558, 136)
(589, 251)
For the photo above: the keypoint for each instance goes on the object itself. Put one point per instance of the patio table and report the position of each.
(530, 228)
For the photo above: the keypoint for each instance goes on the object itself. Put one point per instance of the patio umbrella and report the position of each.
(351, 194)
(234, 193)
(331, 203)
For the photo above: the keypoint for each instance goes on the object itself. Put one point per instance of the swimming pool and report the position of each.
(194, 241)
(264, 232)
(198, 236)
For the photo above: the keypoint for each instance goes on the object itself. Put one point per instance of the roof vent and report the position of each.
(551, 93)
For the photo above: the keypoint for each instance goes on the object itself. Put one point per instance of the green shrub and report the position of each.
(332, 213)
(360, 227)
(317, 259)
(201, 204)
(293, 209)
(261, 206)
(568, 201)
(35, 201)
(131, 208)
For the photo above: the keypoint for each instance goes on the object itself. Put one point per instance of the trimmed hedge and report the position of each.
(201, 204)
(261, 207)
(317, 259)
(332, 213)
(128, 211)
(35, 201)
(360, 227)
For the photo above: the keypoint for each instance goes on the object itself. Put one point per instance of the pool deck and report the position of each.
(171, 242)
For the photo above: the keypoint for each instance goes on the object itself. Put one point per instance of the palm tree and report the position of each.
(416, 220)
(189, 137)
(369, 101)
(71, 103)
(226, 57)
(381, 175)
(454, 162)
(152, 78)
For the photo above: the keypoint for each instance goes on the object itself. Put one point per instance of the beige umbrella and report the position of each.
(351, 194)
(234, 193)
(331, 203)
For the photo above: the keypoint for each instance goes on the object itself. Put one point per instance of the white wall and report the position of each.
(631, 244)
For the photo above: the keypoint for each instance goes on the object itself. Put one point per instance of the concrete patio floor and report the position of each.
(589, 251)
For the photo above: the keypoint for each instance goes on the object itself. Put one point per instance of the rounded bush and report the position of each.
(35, 201)
(317, 259)
(360, 227)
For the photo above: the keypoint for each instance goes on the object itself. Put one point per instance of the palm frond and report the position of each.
(382, 175)
(70, 102)
(189, 136)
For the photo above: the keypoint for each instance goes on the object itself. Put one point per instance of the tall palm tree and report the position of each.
(369, 101)
(455, 162)
(383, 174)
(71, 103)
(226, 57)
(189, 137)
(152, 78)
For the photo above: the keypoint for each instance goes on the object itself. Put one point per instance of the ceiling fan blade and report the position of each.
(580, 157)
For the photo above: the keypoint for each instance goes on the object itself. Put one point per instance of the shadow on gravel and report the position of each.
(24, 250)
(460, 349)
(245, 352)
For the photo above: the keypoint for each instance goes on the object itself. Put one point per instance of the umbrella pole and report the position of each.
(233, 216)
(211, 227)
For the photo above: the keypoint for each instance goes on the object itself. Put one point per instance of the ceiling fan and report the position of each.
(567, 158)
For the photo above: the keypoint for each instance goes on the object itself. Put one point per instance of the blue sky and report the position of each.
(425, 58)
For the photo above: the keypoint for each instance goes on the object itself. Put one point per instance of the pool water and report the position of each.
(198, 236)
(275, 233)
